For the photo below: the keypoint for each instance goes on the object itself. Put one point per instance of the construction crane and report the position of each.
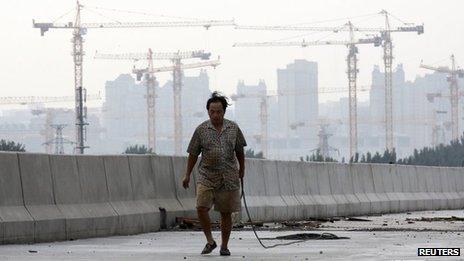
(150, 81)
(352, 71)
(453, 74)
(387, 56)
(177, 113)
(79, 30)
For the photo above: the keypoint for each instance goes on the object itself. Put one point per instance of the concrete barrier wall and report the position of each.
(301, 181)
(319, 188)
(388, 175)
(367, 186)
(448, 187)
(37, 184)
(277, 208)
(357, 173)
(459, 181)
(58, 197)
(434, 188)
(166, 190)
(409, 201)
(186, 197)
(68, 197)
(421, 182)
(95, 196)
(17, 225)
(419, 198)
(255, 192)
(379, 174)
(143, 187)
(133, 217)
(294, 207)
(346, 201)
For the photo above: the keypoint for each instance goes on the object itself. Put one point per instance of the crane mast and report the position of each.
(80, 92)
(150, 80)
(352, 65)
(177, 93)
(388, 60)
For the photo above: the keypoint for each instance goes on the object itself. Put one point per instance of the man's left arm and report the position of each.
(239, 152)
(241, 162)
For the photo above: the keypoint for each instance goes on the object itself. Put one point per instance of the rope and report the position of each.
(304, 236)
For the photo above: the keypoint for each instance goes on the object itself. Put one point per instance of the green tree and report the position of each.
(355, 158)
(449, 155)
(317, 157)
(11, 146)
(138, 149)
(386, 157)
(250, 153)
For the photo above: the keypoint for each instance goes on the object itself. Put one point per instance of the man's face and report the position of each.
(216, 112)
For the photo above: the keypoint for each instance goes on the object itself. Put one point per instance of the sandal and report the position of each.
(209, 248)
(224, 252)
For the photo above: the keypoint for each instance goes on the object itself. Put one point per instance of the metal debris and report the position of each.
(192, 223)
(308, 236)
(357, 219)
(306, 224)
(452, 218)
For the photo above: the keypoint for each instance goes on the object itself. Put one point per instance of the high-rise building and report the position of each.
(297, 86)
(248, 111)
(124, 113)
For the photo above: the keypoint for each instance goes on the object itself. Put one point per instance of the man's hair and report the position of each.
(218, 97)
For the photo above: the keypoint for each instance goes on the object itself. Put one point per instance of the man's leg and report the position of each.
(205, 222)
(204, 202)
(226, 228)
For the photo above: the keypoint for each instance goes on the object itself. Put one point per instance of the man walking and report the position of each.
(220, 142)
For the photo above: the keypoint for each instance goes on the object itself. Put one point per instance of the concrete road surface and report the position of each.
(386, 237)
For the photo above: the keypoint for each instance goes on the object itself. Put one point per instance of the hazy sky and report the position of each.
(35, 65)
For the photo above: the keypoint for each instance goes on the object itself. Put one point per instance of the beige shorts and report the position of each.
(223, 200)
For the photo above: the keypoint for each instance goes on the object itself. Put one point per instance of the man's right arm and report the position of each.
(192, 160)
(194, 149)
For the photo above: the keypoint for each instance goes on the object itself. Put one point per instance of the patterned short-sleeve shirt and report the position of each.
(218, 166)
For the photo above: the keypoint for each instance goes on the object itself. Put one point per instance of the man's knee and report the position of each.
(202, 209)
(226, 214)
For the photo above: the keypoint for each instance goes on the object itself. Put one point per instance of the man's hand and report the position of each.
(186, 181)
(241, 174)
